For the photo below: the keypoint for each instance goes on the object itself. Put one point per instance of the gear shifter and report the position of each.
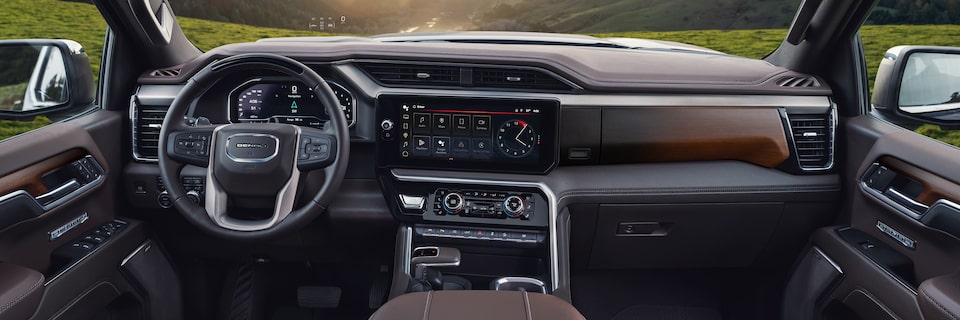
(434, 278)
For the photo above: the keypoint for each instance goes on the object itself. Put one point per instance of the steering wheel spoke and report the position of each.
(190, 146)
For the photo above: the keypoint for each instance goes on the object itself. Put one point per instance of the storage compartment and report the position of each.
(710, 235)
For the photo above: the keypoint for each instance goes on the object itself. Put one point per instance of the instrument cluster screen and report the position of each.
(284, 102)
(459, 133)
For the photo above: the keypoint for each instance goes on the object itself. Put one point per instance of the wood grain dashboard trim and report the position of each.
(670, 134)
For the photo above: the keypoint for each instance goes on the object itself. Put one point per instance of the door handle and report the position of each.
(906, 201)
(59, 192)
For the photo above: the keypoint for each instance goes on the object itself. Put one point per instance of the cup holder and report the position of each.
(518, 284)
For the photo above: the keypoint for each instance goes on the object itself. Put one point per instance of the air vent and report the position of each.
(165, 73)
(413, 74)
(146, 131)
(798, 82)
(813, 140)
(518, 79)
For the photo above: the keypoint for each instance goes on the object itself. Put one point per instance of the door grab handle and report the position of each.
(59, 192)
(906, 201)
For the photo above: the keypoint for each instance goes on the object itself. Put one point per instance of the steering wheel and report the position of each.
(247, 160)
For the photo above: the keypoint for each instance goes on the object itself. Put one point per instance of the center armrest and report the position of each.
(476, 304)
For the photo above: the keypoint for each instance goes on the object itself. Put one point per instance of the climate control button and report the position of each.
(453, 203)
(514, 206)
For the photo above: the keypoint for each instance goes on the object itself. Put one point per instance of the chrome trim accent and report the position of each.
(896, 235)
(215, 202)
(407, 248)
(276, 148)
(505, 280)
(69, 226)
(149, 95)
(73, 183)
(412, 202)
(552, 210)
(146, 245)
(907, 199)
(826, 257)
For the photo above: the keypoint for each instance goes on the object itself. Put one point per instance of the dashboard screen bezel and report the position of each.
(389, 107)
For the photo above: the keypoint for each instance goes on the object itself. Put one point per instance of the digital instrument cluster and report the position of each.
(285, 102)
(461, 133)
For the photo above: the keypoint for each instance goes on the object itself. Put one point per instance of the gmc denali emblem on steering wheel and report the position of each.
(252, 147)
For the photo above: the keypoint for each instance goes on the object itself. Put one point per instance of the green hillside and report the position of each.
(82, 23)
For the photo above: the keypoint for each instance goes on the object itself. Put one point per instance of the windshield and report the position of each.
(746, 28)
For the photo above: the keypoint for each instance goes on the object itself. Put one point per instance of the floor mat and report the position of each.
(642, 312)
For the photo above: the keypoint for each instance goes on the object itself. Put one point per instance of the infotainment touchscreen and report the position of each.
(468, 133)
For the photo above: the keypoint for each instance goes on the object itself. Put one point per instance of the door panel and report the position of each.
(890, 244)
(63, 175)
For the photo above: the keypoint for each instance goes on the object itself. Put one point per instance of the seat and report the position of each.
(476, 304)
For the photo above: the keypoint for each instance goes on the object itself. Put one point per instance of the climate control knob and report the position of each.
(453, 203)
(513, 206)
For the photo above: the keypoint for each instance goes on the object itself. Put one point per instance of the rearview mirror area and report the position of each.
(43, 77)
(917, 85)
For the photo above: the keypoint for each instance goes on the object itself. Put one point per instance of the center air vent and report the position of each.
(813, 137)
(520, 78)
(466, 76)
(146, 131)
(413, 74)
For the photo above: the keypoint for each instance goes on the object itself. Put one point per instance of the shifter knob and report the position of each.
(433, 277)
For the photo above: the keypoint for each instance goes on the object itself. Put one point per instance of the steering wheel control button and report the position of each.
(315, 151)
(192, 147)
(252, 147)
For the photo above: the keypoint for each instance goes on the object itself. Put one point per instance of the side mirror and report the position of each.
(43, 77)
(917, 85)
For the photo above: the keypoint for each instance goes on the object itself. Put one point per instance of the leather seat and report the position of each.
(476, 304)
(20, 291)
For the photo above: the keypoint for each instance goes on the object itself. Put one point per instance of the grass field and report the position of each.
(82, 23)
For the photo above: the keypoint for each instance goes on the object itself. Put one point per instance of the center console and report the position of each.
(500, 228)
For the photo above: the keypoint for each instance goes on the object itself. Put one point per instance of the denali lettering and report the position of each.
(251, 145)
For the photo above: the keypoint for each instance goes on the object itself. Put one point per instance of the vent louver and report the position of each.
(147, 131)
(519, 79)
(413, 74)
(798, 82)
(165, 73)
(813, 140)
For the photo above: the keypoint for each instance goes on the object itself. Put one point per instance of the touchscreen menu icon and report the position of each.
(481, 126)
(421, 123)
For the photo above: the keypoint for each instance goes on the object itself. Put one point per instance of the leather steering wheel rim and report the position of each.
(201, 82)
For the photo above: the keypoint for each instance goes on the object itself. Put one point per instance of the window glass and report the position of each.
(79, 21)
(923, 22)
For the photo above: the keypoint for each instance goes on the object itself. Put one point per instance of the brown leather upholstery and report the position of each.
(20, 291)
(939, 297)
(476, 304)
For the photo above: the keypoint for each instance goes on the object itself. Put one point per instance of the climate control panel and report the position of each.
(484, 204)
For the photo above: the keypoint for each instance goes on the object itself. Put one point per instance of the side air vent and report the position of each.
(798, 82)
(146, 131)
(813, 137)
(516, 79)
(413, 74)
(165, 73)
